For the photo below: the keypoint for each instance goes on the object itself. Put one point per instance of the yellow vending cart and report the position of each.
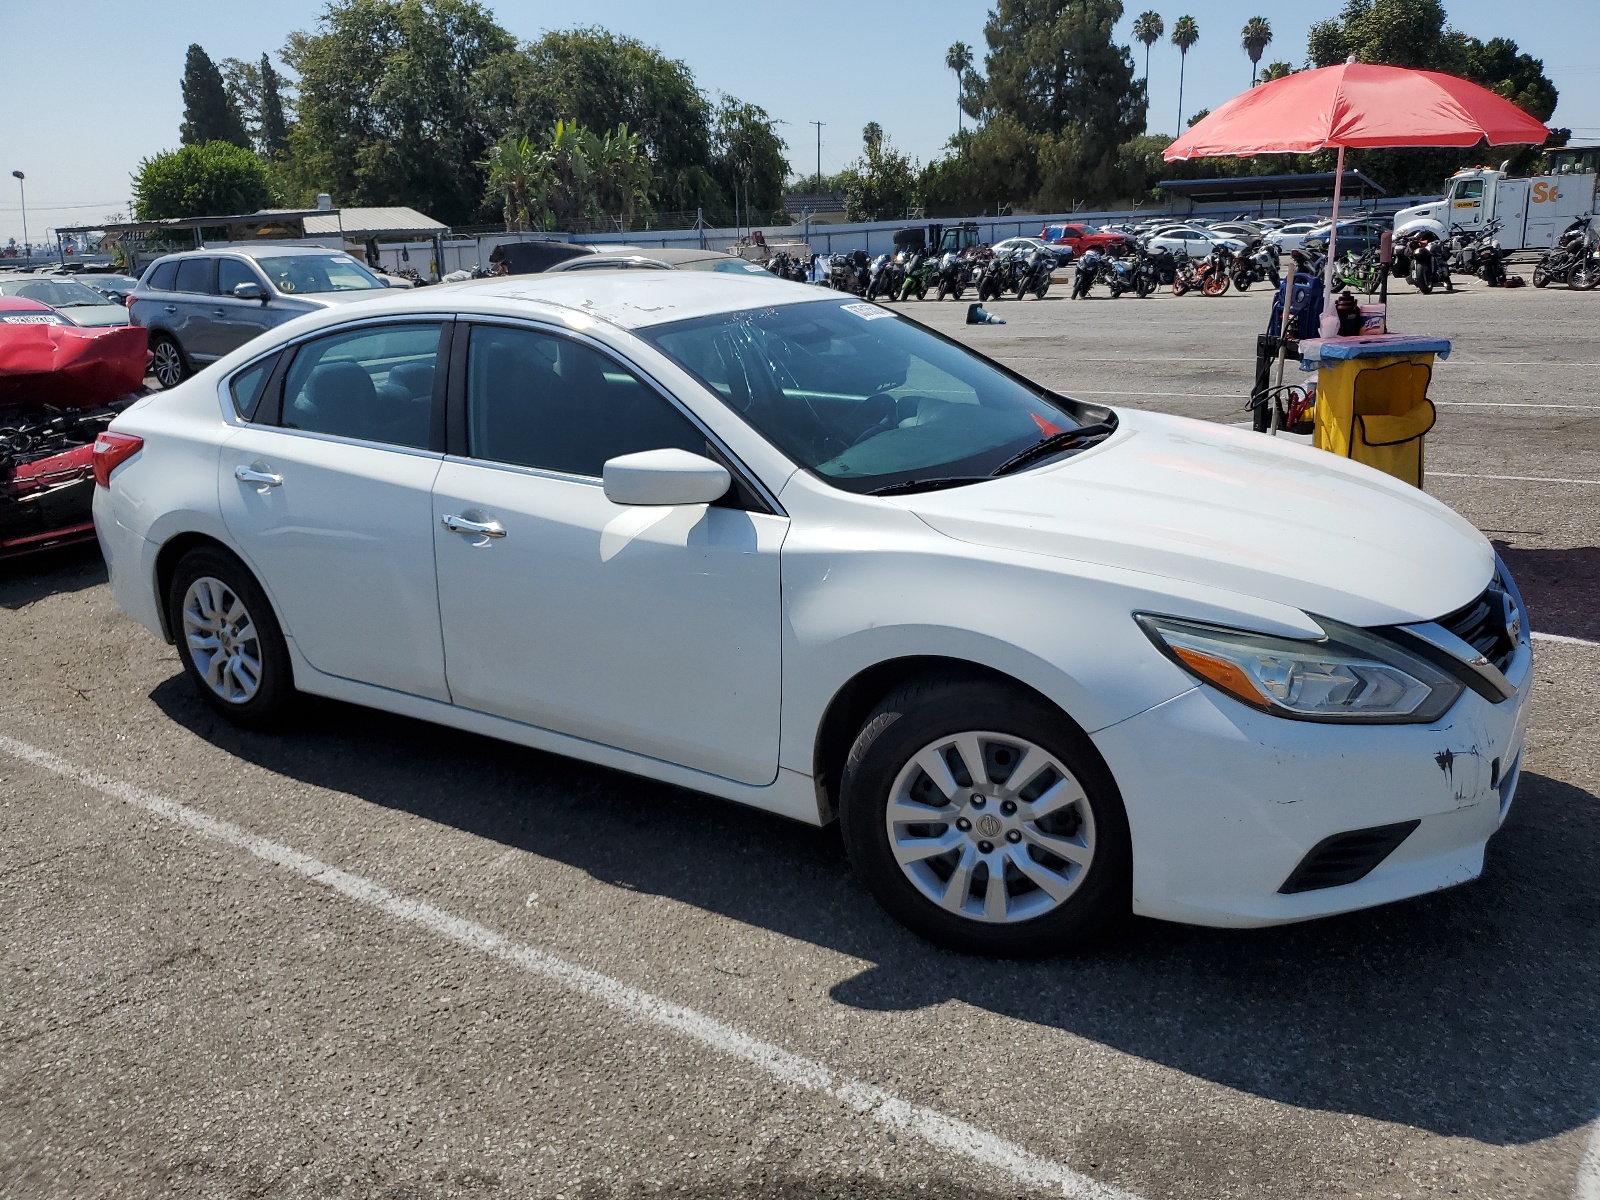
(1372, 398)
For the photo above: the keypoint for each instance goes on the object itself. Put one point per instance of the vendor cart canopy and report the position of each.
(1355, 105)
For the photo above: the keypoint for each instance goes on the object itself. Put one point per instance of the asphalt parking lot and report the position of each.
(372, 958)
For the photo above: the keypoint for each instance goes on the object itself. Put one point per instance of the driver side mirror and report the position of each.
(248, 291)
(662, 477)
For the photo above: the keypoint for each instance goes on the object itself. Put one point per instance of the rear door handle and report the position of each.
(488, 529)
(219, 312)
(172, 308)
(261, 478)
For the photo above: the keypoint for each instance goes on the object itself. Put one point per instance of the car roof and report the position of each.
(259, 251)
(670, 255)
(627, 299)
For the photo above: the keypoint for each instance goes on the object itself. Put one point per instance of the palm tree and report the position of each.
(1275, 70)
(1148, 28)
(958, 59)
(1255, 37)
(1185, 33)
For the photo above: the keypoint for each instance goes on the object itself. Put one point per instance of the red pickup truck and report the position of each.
(1082, 238)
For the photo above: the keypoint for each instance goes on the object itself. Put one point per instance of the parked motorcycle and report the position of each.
(954, 275)
(1479, 254)
(1150, 270)
(1185, 274)
(1423, 261)
(850, 272)
(888, 273)
(993, 278)
(1118, 274)
(1565, 259)
(922, 271)
(1258, 264)
(1086, 273)
(1031, 271)
(788, 266)
(1213, 275)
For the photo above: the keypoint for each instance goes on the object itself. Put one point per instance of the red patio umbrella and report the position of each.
(1356, 105)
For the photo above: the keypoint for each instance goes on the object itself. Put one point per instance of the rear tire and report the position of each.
(229, 640)
(167, 361)
(1068, 800)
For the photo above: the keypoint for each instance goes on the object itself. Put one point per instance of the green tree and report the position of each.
(256, 92)
(1148, 28)
(1054, 71)
(1275, 70)
(208, 114)
(599, 79)
(391, 103)
(1185, 33)
(1196, 118)
(621, 174)
(1255, 37)
(274, 134)
(518, 182)
(958, 59)
(746, 151)
(883, 184)
(214, 179)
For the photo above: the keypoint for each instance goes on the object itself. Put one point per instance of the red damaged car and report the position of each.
(60, 386)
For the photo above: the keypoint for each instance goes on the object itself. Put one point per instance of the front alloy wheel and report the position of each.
(990, 827)
(984, 820)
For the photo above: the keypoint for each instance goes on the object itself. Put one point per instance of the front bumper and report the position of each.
(1224, 802)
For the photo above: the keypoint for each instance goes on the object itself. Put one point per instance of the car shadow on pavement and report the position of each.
(1561, 587)
(32, 577)
(1473, 1012)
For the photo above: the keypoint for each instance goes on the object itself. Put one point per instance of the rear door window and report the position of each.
(197, 275)
(162, 276)
(374, 384)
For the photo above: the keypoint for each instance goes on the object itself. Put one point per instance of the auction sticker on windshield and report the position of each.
(867, 312)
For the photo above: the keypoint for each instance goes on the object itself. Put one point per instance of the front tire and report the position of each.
(228, 639)
(980, 817)
(167, 361)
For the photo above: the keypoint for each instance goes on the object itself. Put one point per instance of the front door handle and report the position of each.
(488, 529)
(172, 308)
(264, 479)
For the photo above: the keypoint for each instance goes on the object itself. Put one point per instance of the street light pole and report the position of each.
(819, 125)
(23, 192)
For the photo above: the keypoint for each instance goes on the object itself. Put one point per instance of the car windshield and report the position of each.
(297, 274)
(57, 293)
(862, 397)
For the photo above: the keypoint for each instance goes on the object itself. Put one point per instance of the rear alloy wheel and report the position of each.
(981, 818)
(167, 363)
(228, 638)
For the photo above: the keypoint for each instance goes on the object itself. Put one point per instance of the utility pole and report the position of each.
(819, 125)
(23, 192)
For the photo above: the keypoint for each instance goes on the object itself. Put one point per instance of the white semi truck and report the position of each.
(1533, 213)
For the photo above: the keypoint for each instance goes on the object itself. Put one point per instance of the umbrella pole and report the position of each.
(1283, 346)
(1330, 322)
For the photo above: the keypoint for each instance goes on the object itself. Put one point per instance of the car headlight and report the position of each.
(1348, 676)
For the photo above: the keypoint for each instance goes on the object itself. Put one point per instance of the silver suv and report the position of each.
(203, 304)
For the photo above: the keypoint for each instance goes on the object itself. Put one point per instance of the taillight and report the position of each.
(111, 450)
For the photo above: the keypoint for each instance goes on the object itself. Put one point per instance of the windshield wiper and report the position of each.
(926, 485)
(1055, 444)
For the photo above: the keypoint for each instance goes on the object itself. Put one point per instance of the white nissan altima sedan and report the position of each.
(1045, 661)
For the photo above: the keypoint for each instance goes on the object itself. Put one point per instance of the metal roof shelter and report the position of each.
(1258, 189)
(278, 224)
(358, 224)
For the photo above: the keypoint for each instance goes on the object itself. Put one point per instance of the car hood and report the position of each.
(1236, 510)
(315, 300)
(94, 316)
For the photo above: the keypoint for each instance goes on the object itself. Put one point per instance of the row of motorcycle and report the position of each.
(1146, 267)
(915, 274)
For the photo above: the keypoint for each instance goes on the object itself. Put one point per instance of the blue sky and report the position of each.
(105, 82)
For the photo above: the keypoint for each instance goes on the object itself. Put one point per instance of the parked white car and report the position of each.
(1192, 240)
(1293, 235)
(1044, 660)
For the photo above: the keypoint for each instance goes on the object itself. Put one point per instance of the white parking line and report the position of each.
(943, 1132)
(1588, 1186)
(1506, 478)
(1562, 638)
